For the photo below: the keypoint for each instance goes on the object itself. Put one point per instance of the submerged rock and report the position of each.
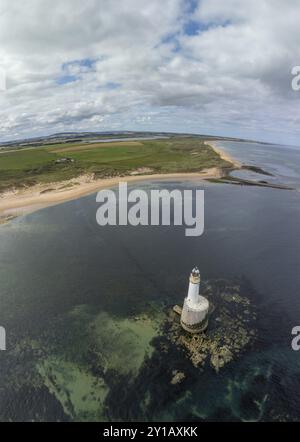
(231, 327)
(221, 357)
(92, 366)
(177, 378)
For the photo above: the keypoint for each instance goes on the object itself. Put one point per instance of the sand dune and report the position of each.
(19, 202)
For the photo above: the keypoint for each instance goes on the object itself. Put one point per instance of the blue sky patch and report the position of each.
(193, 27)
(65, 79)
(112, 85)
(85, 63)
(172, 39)
(192, 5)
(71, 70)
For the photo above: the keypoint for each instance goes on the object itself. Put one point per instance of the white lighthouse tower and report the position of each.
(194, 316)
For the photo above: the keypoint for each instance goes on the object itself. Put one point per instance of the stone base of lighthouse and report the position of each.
(194, 316)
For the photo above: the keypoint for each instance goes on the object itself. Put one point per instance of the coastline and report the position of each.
(20, 202)
(224, 155)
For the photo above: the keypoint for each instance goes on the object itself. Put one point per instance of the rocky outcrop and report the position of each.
(178, 377)
(231, 327)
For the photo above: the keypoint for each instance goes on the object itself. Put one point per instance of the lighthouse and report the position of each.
(194, 316)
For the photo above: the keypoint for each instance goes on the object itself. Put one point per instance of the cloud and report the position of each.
(204, 66)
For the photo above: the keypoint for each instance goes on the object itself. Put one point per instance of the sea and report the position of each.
(83, 305)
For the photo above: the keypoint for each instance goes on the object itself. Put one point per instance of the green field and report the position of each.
(30, 166)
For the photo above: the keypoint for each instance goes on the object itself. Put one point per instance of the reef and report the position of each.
(231, 327)
(178, 377)
(87, 365)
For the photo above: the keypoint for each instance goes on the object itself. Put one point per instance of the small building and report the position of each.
(194, 315)
(64, 160)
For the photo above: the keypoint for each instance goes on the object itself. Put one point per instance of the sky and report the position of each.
(199, 66)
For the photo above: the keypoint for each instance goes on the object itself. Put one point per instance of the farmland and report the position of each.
(60, 162)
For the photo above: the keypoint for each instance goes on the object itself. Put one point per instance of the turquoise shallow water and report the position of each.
(82, 306)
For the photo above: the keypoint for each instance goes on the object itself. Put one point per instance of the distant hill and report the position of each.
(71, 137)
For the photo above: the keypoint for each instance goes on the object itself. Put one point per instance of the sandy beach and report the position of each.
(224, 155)
(18, 202)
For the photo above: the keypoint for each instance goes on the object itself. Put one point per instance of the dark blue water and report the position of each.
(68, 287)
(281, 161)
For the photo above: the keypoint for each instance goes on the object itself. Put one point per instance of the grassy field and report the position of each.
(38, 165)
